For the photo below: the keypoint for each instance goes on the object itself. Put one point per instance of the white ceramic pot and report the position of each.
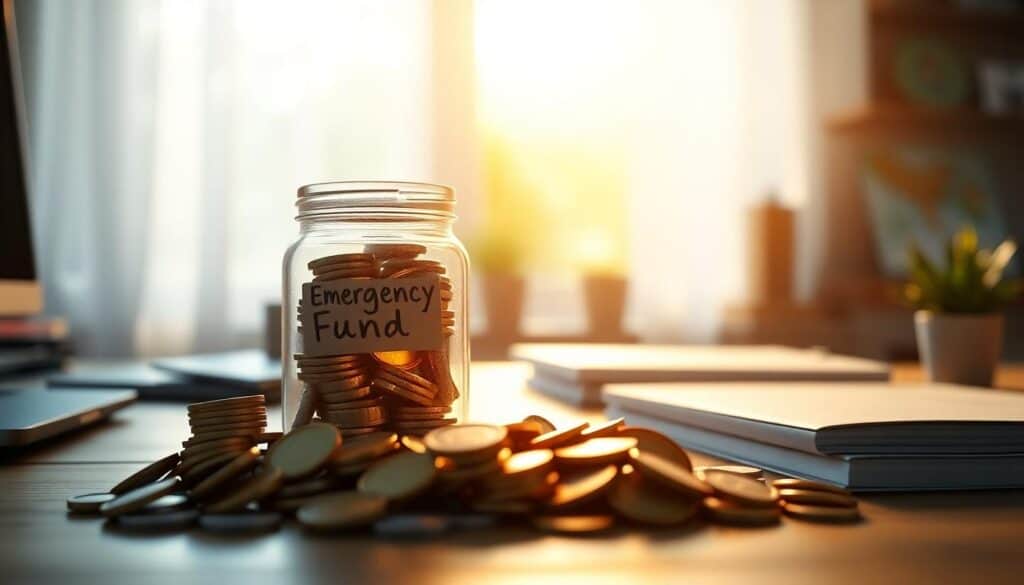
(959, 348)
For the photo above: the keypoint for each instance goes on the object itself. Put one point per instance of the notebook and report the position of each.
(576, 373)
(860, 435)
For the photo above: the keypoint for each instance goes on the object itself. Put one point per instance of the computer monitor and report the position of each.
(20, 292)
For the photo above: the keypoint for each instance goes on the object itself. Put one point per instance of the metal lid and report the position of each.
(342, 196)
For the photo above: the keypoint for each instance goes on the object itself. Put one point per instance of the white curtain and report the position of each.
(168, 138)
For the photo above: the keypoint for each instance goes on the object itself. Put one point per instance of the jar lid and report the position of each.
(339, 196)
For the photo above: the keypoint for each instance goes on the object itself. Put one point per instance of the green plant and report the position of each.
(972, 281)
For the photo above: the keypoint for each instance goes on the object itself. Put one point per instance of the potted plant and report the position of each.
(499, 255)
(958, 318)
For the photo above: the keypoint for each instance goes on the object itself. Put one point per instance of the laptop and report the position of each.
(27, 416)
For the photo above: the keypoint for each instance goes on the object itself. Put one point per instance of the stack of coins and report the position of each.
(576, 479)
(407, 391)
(221, 430)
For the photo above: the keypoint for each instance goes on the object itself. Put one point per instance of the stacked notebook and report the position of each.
(576, 373)
(862, 436)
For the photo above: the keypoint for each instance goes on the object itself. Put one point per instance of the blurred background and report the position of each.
(673, 171)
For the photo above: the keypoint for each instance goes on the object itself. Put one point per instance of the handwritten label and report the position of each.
(354, 315)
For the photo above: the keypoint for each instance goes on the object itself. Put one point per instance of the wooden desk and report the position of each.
(975, 537)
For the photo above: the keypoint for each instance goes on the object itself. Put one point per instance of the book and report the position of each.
(859, 435)
(576, 373)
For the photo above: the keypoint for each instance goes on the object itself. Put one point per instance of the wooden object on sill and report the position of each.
(770, 252)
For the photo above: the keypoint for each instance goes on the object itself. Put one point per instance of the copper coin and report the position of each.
(558, 438)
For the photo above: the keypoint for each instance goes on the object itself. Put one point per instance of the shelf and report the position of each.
(935, 121)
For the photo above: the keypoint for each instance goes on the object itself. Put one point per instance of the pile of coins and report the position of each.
(578, 479)
(404, 391)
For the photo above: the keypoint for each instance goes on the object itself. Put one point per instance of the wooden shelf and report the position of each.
(903, 118)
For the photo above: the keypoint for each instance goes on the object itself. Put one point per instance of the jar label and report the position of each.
(359, 315)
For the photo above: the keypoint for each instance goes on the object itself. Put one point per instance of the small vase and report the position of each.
(503, 301)
(606, 300)
(959, 348)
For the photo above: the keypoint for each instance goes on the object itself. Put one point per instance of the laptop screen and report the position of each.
(16, 261)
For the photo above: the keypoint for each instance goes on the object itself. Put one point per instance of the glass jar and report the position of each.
(374, 309)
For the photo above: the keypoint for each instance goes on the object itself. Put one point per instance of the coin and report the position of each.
(599, 451)
(258, 487)
(227, 403)
(605, 429)
(176, 520)
(234, 468)
(669, 474)
(821, 513)
(164, 504)
(303, 360)
(816, 498)
(730, 513)
(356, 417)
(218, 445)
(137, 498)
(354, 404)
(334, 258)
(466, 443)
(305, 450)
(533, 461)
(207, 437)
(340, 396)
(395, 250)
(649, 441)
(422, 427)
(414, 444)
(194, 471)
(232, 415)
(241, 523)
(339, 370)
(556, 438)
(521, 433)
(573, 524)
(647, 503)
(412, 526)
(806, 484)
(88, 503)
(307, 407)
(147, 474)
(743, 490)
(403, 359)
(253, 429)
(546, 426)
(583, 487)
(401, 392)
(399, 477)
(744, 470)
(308, 487)
(341, 511)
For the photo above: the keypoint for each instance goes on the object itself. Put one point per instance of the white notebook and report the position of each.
(840, 418)
(576, 372)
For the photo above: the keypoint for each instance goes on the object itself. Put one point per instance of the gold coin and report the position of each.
(546, 426)
(821, 513)
(729, 513)
(806, 484)
(533, 461)
(303, 360)
(558, 438)
(413, 418)
(304, 451)
(407, 380)
(816, 498)
(605, 429)
(647, 503)
(232, 413)
(198, 430)
(359, 431)
(400, 392)
(339, 381)
(654, 442)
(599, 451)
(227, 403)
(207, 437)
(193, 471)
(521, 433)
(366, 447)
(403, 359)
(414, 444)
(356, 417)
(147, 474)
(743, 490)
(583, 487)
(573, 524)
(350, 257)
(399, 477)
(217, 445)
(308, 487)
(340, 370)
(364, 403)
(466, 442)
(670, 474)
(341, 511)
(138, 498)
(218, 479)
(422, 427)
(341, 396)
(744, 470)
(260, 486)
(362, 265)
(395, 250)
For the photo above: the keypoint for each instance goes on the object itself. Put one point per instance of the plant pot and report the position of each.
(959, 348)
(503, 301)
(606, 301)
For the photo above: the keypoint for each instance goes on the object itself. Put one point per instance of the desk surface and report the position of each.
(973, 537)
